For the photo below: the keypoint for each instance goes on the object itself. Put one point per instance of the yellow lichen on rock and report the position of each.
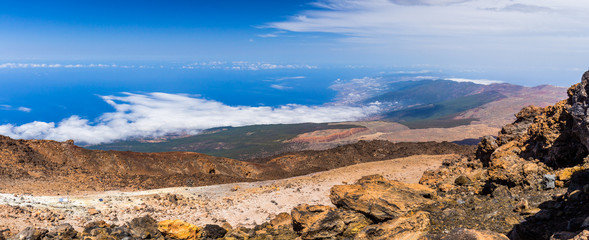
(567, 173)
(178, 229)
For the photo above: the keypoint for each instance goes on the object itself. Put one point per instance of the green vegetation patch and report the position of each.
(232, 142)
(442, 114)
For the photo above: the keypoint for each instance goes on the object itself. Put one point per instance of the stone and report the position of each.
(444, 187)
(501, 192)
(548, 181)
(102, 230)
(145, 227)
(585, 223)
(583, 235)
(178, 229)
(381, 199)
(236, 234)
(485, 148)
(30, 233)
(317, 221)
(521, 206)
(462, 181)
(211, 231)
(406, 227)
(579, 108)
(467, 234)
(282, 220)
(354, 221)
(93, 211)
(64, 231)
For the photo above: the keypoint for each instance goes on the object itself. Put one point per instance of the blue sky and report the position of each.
(502, 36)
(143, 30)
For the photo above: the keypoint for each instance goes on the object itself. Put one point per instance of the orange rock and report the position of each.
(93, 211)
(178, 229)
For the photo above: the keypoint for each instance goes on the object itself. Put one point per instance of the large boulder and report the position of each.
(63, 231)
(30, 233)
(317, 222)
(103, 230)
(144, 227)
(178, 229)
(579, 109)
(409, 227)
(324, 222)
(381, 199)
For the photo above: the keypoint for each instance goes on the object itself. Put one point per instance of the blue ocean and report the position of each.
(51, 94)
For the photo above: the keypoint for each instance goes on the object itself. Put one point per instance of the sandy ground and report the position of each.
(238, 204)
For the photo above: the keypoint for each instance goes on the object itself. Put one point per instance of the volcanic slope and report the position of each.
(49, 167)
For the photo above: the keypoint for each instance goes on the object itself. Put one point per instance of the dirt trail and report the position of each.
(239, 203)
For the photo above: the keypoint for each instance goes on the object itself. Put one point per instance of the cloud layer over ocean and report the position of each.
(156, 114)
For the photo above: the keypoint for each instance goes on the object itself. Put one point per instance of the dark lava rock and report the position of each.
(485, 148)
(578, 109)
(462, 181)
(144, 228)
(317, 222)
(102, 230)
(64, 231)
(30, 233)
(468, 234)
(211, 231)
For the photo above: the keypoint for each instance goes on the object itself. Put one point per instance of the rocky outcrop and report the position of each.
(579, 100)
(541, 141)
(413, 226)
(324, 222)
(381, 199)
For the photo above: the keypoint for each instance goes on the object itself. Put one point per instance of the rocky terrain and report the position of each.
(529, 182)
(49, 167)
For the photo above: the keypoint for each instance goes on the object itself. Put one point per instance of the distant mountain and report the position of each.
(414, 111)
(409, 93)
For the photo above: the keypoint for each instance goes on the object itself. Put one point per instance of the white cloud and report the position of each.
(245, 66)
(24, 109)
(55, 65)
(268, 35)
(372, 18)
(453, 32)
(290, 78)
(11, 108)
(477, 81)
(156, 114)
(280, 87)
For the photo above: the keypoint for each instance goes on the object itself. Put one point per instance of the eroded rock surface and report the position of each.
(381, 199)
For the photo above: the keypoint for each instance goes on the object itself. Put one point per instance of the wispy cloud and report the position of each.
(268, 35)
(245, 66)
(56, 65)
(280, 87)
(477, 81)
(11, 108)
(223, 65)
(463, 30)
(24, 109)
(157, 114)
(290, 78)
